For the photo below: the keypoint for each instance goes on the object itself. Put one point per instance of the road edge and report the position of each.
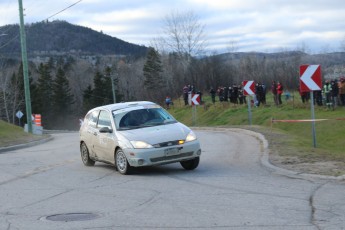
(25, 145)
(265, 154)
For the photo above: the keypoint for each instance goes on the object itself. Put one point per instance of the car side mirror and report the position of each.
(105, 130)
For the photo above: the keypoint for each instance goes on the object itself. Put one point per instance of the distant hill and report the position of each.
(60, 37)
(332, 63)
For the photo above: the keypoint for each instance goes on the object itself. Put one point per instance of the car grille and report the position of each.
(166, 144)
(166, 158)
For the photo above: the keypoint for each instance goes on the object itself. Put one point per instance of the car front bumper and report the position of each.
(165, 155)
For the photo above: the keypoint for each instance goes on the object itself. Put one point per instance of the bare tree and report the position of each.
(183, 39)
(184, 34)
(9, 94)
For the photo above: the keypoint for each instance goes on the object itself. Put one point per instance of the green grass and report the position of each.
(12, 135)
(289, 139)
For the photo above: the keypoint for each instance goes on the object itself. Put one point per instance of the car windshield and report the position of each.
(141, 117)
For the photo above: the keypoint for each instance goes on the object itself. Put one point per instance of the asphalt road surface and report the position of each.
(47, 187)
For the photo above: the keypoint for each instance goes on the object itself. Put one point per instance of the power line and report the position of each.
(63, 9)
(9, 41)
(16, 36)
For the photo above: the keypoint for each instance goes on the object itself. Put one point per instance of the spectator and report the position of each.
(185, 94)
(232, 95)
(327, 90)
(220, 93)
(287, 95)
(235, 93)
(317, 97)
(226, 93)
(168, 102)
(279, 92)
(274, 92)
(304, 95)
(334, 93)
(341, 87)
(241, 96)
(258, 94)
(264, 89)
(213, 95)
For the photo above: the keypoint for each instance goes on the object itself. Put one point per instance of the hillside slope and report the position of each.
(63, 37)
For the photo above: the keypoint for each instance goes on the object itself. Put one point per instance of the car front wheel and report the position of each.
(190, 164)
(121, 163)
(85, 157)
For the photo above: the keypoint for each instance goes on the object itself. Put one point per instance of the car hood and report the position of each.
(157, 134)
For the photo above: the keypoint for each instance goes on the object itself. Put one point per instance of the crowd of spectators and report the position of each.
(332, 94)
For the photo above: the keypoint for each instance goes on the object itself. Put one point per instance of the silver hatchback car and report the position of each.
(136, 134)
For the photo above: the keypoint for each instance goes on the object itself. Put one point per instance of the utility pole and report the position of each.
(25, 67)
(112, 75)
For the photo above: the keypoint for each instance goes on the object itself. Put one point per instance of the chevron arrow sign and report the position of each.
(310, 78)
(248, 88)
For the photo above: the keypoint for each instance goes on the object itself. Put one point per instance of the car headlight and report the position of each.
(191, 136)
(141, 145)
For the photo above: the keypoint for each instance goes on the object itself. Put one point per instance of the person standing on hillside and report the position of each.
(168, 102)
(279, 92)
(341, 87)
(264, 90)
(327, 90)
(334, 93)
(258, 93)
(274, 92)
(213, 95)
(185, 94)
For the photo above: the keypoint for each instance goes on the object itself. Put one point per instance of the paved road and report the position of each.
(229, 190)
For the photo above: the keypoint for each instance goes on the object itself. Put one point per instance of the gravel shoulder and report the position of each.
(282, 155)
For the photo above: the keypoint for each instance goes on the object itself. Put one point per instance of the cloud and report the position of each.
(255, 25)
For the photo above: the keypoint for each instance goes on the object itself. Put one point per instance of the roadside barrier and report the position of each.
(304, 120)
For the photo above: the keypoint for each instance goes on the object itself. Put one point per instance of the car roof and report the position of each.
(123, 105)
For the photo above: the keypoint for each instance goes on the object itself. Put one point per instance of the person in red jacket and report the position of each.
(279, 92)
(274, 92)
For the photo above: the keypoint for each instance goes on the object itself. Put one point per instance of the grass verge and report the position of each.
(291, 144)
(14, 135)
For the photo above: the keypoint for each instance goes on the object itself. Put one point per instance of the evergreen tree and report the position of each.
(43, 96)
(102, 93)
(153, 78)
(88, 99)
(153, 70)
(62, 99)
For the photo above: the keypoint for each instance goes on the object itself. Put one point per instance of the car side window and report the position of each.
(93, 118)
(104, 120)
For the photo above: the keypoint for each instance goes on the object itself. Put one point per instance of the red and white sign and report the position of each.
(248, 88)
(195, 99)
(310, 78)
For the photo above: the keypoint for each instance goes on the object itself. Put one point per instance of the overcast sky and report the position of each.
(235, 25)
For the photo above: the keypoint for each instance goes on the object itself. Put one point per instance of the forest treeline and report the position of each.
(64, 88)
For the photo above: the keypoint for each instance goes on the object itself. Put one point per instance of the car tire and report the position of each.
(85, 157)
(121, 163)
(190, 164)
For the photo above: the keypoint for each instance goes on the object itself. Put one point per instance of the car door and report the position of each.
(89, 133)
(104, 144)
